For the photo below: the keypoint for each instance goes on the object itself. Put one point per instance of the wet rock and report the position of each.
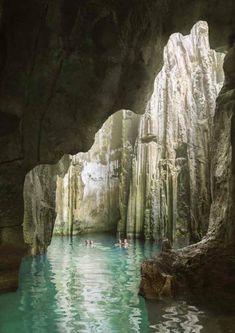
(157, 280)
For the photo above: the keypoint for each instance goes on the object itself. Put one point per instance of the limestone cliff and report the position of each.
(92, 195)
(207, 268)
(87, 192)
(152, 179)
(170, 188)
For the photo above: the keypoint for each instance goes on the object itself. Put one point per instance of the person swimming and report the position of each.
(125, 243)
(89, 242)
(122, 243)
(119, 244)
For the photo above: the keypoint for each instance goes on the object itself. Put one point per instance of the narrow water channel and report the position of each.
(80, 289)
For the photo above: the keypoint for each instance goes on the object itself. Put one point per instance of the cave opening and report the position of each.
(145, 178)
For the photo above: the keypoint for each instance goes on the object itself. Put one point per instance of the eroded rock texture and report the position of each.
(208, 267)
(162, 187)
(65, 66)
(92, 196)
(170, 188)
(40, 204)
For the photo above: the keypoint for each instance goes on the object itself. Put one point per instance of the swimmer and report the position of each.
(87, 242)
(119, 243)
(125, 243)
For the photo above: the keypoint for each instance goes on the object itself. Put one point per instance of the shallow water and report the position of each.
(78, 289)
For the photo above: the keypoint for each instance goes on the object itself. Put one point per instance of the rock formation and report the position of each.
(65, 66)
(207, 268)
(92, 196)
(170, 188)
(40, 204)
(163, 188)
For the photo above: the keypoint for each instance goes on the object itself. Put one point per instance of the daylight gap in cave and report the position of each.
(145, 176)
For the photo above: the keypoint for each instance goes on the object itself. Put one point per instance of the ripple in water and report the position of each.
(79, 289)
(178, 318)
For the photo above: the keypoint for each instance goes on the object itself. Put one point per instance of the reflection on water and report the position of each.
(97, 286)
(79, 289)
(183, 317)
(178, 317)
(83, 289)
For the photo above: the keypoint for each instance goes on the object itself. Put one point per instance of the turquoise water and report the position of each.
(79, 289)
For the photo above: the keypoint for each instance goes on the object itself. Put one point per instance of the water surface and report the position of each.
(79, 289)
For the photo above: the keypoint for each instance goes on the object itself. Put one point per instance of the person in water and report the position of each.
(125, 243)
(89, 242)
(119, 243)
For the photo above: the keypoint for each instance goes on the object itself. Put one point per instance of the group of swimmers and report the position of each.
(89, 242)
(121, 243)
(166, 244)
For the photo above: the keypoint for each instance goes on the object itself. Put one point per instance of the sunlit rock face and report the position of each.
(207, 268)
(91, 197)
(170, 188)
(161, 188)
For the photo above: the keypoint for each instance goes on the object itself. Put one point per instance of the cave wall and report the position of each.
(206, 269)
(64, 69)
(162, 186)
(222, 216)
(171, 188)
(65, 66)
(40, 204)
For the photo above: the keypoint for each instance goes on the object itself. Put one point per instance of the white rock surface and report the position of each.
(151, 177)
(88, 196)
(170, 189)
